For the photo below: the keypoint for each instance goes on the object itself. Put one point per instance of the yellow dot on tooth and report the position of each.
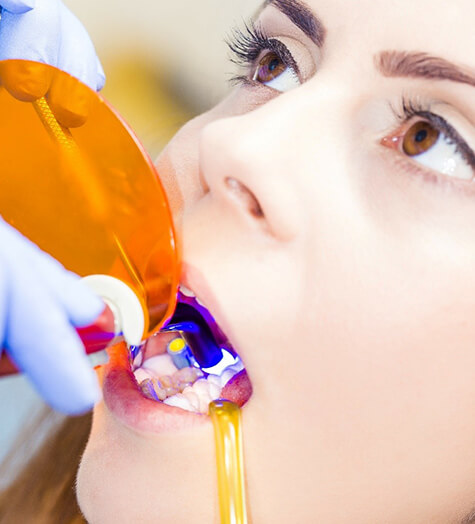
(176, 345)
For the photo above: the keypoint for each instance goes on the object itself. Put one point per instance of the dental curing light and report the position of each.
(77, 182)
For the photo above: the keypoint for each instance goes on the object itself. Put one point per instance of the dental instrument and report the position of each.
(116, 228)
(196, 333)
(226, 419)
(95, 338)
(90, 197)
(180, 353)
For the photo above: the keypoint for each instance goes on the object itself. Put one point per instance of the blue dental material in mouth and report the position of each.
(197, 335)
(200, 331)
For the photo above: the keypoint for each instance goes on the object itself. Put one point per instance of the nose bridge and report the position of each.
(248, 148)
(237, 144)
(280, 128)
(294, 133)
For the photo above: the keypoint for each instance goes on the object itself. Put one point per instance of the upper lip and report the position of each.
(193, 279)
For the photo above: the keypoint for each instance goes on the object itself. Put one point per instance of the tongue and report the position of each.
(238, 389)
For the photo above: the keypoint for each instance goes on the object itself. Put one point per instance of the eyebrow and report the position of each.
(302, 17)
(389, 63)
(421, 65)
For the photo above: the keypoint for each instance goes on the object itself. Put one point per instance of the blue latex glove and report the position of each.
(40, 302)
(46, 31)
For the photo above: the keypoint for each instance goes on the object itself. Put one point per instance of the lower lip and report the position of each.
(124, 400)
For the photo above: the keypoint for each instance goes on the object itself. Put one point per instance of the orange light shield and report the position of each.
(76, 181)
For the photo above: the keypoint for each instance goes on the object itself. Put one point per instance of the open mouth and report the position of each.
(190, 362)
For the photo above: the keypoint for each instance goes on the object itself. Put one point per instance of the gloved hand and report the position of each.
(40, 302)
(46, 32)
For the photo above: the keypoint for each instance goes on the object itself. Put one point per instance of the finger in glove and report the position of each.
(18, 6)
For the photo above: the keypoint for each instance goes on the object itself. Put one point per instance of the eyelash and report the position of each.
(411, 108)
(247, 45)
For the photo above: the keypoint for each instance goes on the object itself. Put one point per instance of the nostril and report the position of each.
(247, 198)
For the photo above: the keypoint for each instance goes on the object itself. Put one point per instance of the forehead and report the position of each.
(435, 26)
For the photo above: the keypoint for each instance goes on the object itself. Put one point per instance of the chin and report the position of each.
(125, 476)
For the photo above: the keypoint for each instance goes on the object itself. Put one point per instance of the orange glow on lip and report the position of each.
(118, 355)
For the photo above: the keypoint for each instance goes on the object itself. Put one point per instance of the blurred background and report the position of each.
(165, 61)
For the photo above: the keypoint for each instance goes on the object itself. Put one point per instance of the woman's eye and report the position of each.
(271, 71)
(430, 147)
(420, 138)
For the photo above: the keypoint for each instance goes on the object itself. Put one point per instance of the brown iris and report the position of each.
(270, 66)
(420, 137)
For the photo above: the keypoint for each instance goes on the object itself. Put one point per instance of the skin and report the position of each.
(350, 298)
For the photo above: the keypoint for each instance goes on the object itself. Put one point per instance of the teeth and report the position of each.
(226, 376)
(167, 384)
(141, 375)
(192, 397)
(200, 303)
(204, 392)
(184, 388)
(214, 379)
(138, 360)
(204, 404)
(201, 390)
(150, 390)
(161, 388)
(187, 376)
(160, 365)
(201, 386)
(160, 392)
(187, 292)
(214, 391)
(179, 401)
(236, 368)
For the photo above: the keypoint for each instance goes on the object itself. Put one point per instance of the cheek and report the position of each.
(178, 167)
(394, 336)
(382, 367)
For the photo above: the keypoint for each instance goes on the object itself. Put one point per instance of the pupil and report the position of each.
(421, 135)
(274, 65)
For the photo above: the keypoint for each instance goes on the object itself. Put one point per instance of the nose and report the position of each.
(242, 159)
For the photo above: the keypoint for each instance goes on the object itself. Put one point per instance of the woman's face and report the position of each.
(326, 210)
